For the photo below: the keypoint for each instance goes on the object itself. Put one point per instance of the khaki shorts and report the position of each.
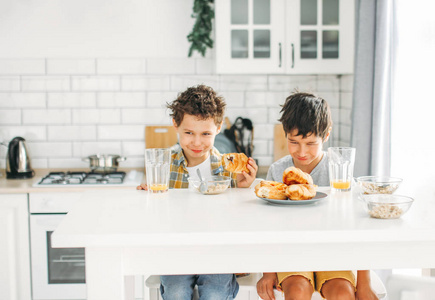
(317, 279)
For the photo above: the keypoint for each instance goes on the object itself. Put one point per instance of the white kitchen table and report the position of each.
(133, 232)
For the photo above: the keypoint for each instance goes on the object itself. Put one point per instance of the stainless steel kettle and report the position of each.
(17, 160)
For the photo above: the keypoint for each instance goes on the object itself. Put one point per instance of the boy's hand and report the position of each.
(142, 186)
(244, 180)
(265, 286)
(364, 292)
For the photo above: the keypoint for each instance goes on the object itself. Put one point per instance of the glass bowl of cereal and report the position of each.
(386, 206)
(378, 184)
(214, 184)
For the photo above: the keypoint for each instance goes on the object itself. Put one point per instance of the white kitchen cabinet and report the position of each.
(285, 36)
(14, 248)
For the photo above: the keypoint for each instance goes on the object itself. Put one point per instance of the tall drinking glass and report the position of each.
(157, 162)
(341, 163)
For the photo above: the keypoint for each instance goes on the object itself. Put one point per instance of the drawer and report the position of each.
(53, 202)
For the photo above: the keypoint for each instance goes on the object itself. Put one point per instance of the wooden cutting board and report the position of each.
(160, 136)
(279, 143)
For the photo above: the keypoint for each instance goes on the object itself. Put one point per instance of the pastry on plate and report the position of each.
(301, 191)
(293, 175)
(271, 190)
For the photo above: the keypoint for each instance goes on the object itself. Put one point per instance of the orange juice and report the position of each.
(341, 185)
(156, 188)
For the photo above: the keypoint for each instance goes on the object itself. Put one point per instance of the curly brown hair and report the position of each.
(307, 113)
(201, 101)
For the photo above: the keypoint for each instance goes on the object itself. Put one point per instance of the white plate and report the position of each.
(319, 196)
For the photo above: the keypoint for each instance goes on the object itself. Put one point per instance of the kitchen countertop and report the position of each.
(24, 186)
(179, 232)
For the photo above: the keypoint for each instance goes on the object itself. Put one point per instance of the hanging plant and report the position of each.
(199, 37)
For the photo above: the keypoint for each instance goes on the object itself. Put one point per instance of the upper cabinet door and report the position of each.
(321, 37)
(284, 36)
(250, 36)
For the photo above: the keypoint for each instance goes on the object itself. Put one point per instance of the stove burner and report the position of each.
(76, 178)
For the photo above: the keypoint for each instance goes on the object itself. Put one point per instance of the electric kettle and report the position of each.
(17, 160)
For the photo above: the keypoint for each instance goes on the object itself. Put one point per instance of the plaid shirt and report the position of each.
(179, 173)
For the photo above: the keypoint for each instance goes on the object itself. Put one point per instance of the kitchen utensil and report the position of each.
(105, 163)
(215, 184)
(18, 164)
(386, 206)
(157, 162)
(203, 184)
(341, 162)
(378, 184)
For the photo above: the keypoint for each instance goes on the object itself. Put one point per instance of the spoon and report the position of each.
(203, 184)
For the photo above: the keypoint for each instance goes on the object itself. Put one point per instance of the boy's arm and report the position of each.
(244, 180)
(363, 288)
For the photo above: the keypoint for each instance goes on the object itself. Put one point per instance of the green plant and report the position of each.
(199, 37)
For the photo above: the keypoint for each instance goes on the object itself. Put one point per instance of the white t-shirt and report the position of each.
(204, 168)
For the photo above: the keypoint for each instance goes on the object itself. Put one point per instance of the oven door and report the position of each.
(57, 273)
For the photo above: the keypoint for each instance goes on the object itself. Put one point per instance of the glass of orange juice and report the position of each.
(341, 163)
(157, 162)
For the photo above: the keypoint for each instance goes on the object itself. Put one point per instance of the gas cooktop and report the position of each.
(79, 178)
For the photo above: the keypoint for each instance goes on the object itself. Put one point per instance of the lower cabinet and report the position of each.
(14, 248)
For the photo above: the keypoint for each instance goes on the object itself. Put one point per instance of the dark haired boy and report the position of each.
(197, 115)
(307, 123)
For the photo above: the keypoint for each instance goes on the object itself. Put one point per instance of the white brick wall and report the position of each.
(71, 108)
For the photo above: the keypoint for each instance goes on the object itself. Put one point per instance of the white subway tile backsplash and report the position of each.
(10, 83)
(264, 160)
(121, 66)
(22, 100)
(121, 132)
(121, 99)
(22, 66)
(256, 115)
(133, 148)
(159, 99)
(346, 83)
(95, 83)
(328, 83)
(345, 116)
(346, 100)
(96, 116)
(45, 83)
(288, 84)
(333, 98)
(72, 133)
(49, 149)
(146, 116)
(84, 149)
(46, 116)
(335, 114)
(134, 162)
(263, 131)
(182, 82)
(10, 116)
(274, 114)
(71, 100)
(261, 147)
(264, 99)
(205, 66)
(67, 163)
(233, 99)
(345, 133)
(30, 133)
(38, 163)
(243, 82)
(171, 66)
(71, 66)
(145, 83)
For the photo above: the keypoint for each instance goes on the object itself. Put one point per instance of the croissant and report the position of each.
(271, 190)
(301, 191)
(235, 162)
(293, 175)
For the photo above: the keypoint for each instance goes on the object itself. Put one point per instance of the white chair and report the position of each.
(248, 288)
(401, 287)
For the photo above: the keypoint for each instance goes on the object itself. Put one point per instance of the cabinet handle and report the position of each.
(293, 55)
(280, 55)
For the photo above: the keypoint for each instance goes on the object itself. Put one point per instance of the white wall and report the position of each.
(85, 77)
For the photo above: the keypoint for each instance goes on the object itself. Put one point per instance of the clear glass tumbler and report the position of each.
(157, 168)
(341, 163)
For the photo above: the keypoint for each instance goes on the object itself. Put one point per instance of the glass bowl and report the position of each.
(386, 206)
(378, 184)
(215, 184)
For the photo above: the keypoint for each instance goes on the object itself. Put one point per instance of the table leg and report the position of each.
(104, 274)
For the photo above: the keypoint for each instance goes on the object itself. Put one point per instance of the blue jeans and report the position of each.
(210, 286)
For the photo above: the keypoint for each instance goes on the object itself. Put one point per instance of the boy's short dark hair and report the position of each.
(306, 113)
(201, 101)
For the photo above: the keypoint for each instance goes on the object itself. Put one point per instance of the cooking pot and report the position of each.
(104, 162)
